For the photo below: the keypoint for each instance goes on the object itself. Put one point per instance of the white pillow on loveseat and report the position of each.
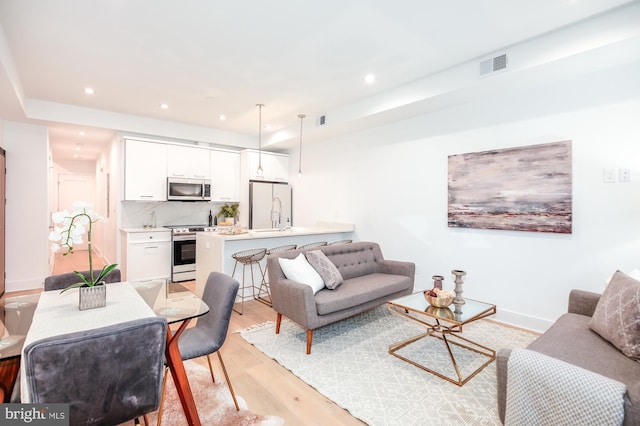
(301, 271)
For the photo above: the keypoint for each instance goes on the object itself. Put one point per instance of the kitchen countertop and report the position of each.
(156, 229)
(254, 234)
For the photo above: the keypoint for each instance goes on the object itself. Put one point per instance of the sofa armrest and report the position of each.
(502, 360)
(583, 302)
(397, 267)
(292, 299)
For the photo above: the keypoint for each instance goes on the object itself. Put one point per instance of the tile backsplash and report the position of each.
(136, 214)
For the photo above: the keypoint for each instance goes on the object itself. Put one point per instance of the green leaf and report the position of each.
(105, 271)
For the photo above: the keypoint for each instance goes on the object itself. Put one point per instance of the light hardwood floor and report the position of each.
(267, 387)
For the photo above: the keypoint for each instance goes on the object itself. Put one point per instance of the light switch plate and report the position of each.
(609, 175)
(625, 175)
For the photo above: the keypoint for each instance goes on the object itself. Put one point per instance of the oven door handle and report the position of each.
(184, 237)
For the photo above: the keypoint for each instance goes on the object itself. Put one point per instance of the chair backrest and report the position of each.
(58, 282)
(313, 245)
(210, 331)
(108, 375)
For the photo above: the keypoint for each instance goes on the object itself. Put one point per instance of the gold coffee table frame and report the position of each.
(447, 327)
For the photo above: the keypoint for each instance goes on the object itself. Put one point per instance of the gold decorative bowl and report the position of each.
(439, 312)
(439, 302)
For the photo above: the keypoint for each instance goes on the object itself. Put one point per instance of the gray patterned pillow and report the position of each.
(617, 315)
(327, 270)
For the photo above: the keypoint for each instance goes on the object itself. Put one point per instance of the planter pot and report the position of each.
(92, 297)
(230, 220)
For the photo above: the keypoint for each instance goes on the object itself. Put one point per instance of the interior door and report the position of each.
(2, 219)
(75, 187)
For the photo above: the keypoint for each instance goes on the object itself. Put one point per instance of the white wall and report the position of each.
(27, 248)
(391, 181)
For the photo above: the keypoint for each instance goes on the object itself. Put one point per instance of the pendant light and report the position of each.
(260, 171)
(301, 117)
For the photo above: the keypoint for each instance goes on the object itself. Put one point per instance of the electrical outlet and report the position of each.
(609, 175)
(625, 175)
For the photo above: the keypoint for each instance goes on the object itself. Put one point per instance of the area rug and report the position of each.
(350, 365)
(214, 402)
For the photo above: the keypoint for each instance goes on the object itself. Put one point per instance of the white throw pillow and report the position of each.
(301, 271)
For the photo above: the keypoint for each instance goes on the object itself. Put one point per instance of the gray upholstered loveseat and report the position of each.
(369, 281)
(571, 340)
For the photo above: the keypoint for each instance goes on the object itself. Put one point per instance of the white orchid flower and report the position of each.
(55, 248)
(59, 217)
(55, 236)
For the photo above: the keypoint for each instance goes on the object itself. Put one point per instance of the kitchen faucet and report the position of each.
(277, 223)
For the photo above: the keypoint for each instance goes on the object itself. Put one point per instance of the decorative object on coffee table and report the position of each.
(437, 281)
(458, 301)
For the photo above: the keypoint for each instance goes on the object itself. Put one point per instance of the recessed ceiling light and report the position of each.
(164, 106)
(222, 117)
(81, 133)
(88, 91)
(369, 78)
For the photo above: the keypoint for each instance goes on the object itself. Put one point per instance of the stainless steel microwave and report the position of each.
(181, 189)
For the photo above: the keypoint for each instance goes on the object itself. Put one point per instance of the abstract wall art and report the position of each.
(520, 189)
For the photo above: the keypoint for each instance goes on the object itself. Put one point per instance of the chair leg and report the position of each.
(213, 379)
(278, 321)
(164, 383)
(226, 376)
(309, 340)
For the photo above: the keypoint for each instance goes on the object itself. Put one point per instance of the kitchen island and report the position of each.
(214, 250)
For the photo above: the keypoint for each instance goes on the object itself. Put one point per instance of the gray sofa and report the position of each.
(571, 340)
(369, 281)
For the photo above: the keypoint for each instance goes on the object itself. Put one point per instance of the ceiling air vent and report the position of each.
(494, 64)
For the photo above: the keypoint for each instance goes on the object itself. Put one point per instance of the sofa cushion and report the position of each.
(359, 290)
(617, 315)
(301, 271)
(327, 270)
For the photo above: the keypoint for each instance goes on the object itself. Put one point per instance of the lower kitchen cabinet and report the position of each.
(146, 255)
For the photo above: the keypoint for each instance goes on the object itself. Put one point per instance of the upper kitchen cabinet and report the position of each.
(187, 162)
(225, 176)
(145, 171)
(275, 166)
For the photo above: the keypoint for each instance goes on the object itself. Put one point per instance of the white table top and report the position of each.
(59, 314)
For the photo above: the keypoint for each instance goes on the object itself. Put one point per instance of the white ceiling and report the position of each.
(207, 58)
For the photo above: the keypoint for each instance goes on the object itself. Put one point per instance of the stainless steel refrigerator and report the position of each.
(269, 205)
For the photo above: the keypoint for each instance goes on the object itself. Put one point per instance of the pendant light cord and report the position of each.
(301, 117)
(260, 171)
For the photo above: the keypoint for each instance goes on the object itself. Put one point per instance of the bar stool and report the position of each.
(264, 285)
(247, 258)
(314, 245)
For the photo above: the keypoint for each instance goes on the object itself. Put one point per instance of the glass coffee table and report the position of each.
(444, 324)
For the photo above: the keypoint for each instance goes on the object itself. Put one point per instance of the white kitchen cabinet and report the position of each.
(187, 162)
(146, 255)
(225, 176)
(145, 171)
(275, 166)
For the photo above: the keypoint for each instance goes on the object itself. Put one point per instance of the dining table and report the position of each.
(29, 318)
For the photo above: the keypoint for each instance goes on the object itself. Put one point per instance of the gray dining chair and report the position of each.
(210, 332)
(61, 281)
(107, 375)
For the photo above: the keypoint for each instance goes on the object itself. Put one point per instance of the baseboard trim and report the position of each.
(527, 322)
(33, 284)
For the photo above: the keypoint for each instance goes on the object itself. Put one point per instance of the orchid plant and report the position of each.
(69, 227)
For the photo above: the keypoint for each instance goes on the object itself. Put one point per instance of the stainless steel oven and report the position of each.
(183, 251)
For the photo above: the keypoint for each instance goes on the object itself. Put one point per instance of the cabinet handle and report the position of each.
(199, 176)
(177, 174)
(146, 196)
(151, 247)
